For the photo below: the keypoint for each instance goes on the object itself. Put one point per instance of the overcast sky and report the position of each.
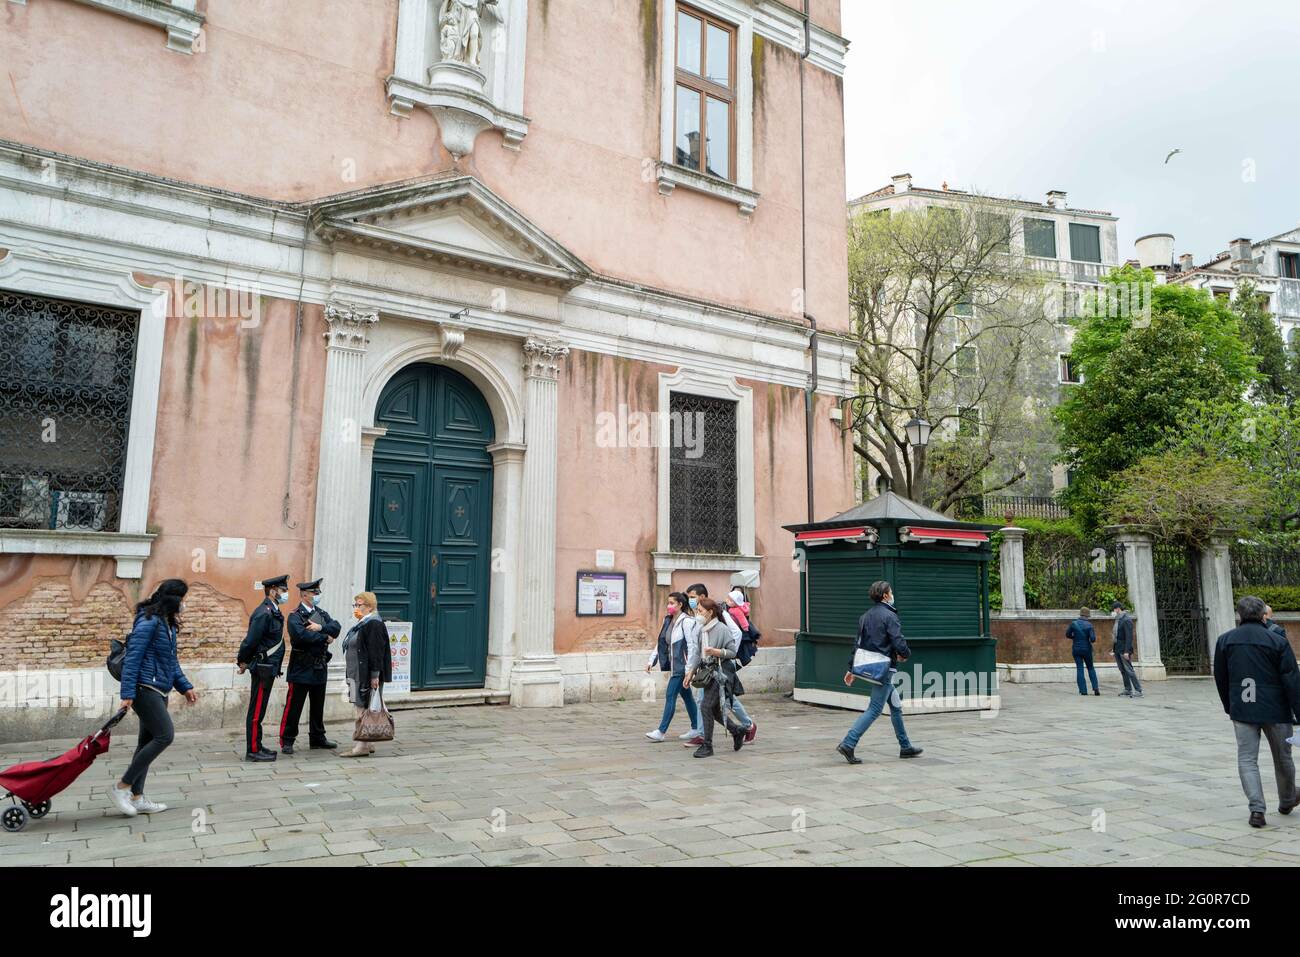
(1013, 98)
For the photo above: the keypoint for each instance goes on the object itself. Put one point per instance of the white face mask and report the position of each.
(182, 608)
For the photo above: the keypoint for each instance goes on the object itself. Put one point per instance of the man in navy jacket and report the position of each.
(1124, 647)
(879, 630)
(1259, 685)
(1082, 637)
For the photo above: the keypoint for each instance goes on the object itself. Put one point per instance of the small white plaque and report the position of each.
(261, 549)
(231, 547)
(604, 558)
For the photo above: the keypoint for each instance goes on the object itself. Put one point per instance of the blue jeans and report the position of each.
(1081, 659)
(675, 690)
(879, 695)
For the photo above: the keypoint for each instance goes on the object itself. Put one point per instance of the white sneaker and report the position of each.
(687, 735)
(121, 797)
(145, 806)
(655, 735)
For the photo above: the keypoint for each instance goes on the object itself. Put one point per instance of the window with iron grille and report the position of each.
(702, 475)
(65, 405)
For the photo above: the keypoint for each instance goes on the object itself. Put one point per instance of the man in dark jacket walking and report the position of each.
(311, 630)
(1272, 624)
(260, 654)
(1124, 647)
(880, 631)
(1082, 637)
(1255, 671)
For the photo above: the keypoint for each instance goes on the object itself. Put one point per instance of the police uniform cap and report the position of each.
(280, 582)
(310, 586)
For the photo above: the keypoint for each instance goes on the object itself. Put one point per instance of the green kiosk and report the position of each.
(939, 570)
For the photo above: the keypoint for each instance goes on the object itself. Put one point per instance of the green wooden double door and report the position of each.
(429, 559)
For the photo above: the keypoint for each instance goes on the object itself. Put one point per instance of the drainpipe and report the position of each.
(809, 399)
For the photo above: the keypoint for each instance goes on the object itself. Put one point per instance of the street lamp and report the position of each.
(918, 432)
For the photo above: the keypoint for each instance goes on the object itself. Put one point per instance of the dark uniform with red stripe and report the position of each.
(308, 672)
(262, 651)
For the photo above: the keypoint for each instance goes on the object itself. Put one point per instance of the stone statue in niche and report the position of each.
(460, 37)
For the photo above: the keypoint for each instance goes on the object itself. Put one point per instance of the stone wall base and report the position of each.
(1107, 672)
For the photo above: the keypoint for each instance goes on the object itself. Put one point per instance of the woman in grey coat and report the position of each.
(715, 661)
(368, 661)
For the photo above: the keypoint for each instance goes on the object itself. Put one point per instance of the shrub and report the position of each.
(1281, 597)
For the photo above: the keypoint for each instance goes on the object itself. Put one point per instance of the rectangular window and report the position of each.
(1288, 265)
(704, 137)
(967, 361)
(702, 506)
(968, 421)
(1085, 243)
(1069, 374)
(1040, 238)
(65, 405)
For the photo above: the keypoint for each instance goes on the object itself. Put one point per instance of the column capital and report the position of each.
(542, 357)
(349, 325)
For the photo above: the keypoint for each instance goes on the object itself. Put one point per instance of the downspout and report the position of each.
(809, 400)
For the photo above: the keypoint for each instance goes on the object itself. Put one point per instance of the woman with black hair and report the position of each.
(679, 631)
(150, 670)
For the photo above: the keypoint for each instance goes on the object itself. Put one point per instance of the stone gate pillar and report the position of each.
(1216, 591)
(1011, 568)
(1140, 575)
(535, 679)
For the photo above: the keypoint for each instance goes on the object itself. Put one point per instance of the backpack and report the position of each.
(748, 646)
(116, 657)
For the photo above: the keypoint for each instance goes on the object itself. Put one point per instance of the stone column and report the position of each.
(1216, 591)
(1140, 573)
(535, 679)
(341, 513)
(1011, 568)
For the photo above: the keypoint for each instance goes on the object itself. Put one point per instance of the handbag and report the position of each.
(375, 723)
(870, 665)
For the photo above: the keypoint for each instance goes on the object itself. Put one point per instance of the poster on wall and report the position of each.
(400, 639)
(602, 593)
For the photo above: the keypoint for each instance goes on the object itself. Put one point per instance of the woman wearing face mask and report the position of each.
(713, 663)
(368, 658)
(679, 632)
(150, 670)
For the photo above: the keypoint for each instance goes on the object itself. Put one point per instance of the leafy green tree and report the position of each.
(1141, 377)
(1279, 374)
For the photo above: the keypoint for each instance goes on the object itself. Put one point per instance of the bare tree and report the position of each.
(947, 313)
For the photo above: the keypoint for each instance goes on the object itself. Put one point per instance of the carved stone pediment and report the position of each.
(455, 222)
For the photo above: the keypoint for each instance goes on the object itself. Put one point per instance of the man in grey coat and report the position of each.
(1259, 685)
(1124, 647)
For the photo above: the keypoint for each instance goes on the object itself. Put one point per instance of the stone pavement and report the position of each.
(582, 785)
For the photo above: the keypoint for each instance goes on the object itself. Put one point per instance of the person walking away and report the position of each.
(1272, 624)
(714, 670)
(879, 630)
(150, 670)
(368, 660)
(311, 631)
(695, 593)
(1124, 646)
(260, 654)
(1082, 637)
(1255, 672)
(675, 640)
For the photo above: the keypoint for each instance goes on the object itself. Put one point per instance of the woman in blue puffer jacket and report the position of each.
(150, 670)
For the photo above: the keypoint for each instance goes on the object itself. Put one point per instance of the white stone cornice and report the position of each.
(349, 326)
(542, 357)
(183, 24)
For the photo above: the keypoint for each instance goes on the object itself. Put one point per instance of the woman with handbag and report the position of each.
(150, 670)
(711, 667)
(368, 659)
(676, 638)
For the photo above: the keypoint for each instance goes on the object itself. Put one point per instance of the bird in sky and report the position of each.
(1172, 154)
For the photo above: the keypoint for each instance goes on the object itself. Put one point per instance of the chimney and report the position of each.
(1056, 198)
(1242, 256)
(1155, 250)
(902, 182)
(1185, 263)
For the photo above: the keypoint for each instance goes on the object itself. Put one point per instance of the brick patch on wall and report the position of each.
(1025, 641)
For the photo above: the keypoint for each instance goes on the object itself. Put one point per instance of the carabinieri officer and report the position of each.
(311, 631)
(261, 654)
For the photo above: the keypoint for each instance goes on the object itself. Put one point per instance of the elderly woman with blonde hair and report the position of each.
(368, 658)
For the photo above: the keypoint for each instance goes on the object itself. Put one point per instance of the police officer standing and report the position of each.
(311, 631)
(261, 654)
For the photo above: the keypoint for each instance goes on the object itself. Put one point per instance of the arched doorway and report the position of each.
(429, 553)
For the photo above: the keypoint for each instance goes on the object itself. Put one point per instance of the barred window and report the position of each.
(65, 405)
(702, 475)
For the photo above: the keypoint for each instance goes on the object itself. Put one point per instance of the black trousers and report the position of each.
(712, 706)
(156, 734)
(298, 695)
(259, 698)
